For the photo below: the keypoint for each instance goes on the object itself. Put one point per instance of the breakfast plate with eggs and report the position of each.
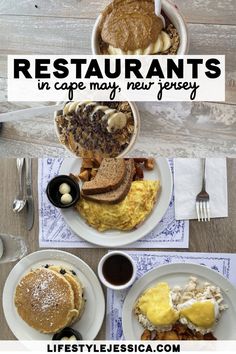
(125, 200)
(180, 302)
(53, 293)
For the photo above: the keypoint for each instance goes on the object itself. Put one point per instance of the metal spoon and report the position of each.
(29, 113)
(158, 11)
(19, 202)
(1, 247)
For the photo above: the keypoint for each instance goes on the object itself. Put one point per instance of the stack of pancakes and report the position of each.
(49, 298)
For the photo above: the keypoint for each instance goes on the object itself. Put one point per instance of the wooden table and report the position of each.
(168, 129)
(219, 235)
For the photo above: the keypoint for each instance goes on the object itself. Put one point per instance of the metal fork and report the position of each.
(203, 198)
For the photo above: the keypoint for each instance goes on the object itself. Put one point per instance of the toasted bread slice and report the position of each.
(110, 176)
(119, 193)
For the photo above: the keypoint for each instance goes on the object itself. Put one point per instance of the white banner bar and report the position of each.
(198, 347)
(118, 78)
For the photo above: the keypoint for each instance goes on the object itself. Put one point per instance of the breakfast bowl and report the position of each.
(82, 135)
(171, 15)
(63, 191)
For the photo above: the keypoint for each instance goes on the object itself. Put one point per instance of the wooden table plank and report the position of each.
(167, 129)
(45, 35)
(194, 11)
(219, 235)
(50, 35)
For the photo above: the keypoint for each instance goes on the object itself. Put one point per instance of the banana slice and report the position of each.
(116, 121)
(100, 108)
(80, 104)
(71, 107)
(162, 43)
(166, 41)
(66, 108)
(108, 113)
(115, 51)
(158, 45)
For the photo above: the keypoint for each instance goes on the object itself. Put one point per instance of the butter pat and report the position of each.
(64, 188)
(66, 198)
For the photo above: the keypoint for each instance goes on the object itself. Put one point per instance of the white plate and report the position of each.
(114, 238)
(92, 318)
(178, 274)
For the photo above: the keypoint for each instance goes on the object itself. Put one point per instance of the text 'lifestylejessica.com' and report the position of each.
(106, 78)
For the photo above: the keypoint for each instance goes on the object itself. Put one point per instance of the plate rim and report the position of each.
(125, 241)
(19, 267)
(175, 266)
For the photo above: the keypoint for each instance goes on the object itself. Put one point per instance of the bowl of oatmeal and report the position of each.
(105, 129)
(128, 27)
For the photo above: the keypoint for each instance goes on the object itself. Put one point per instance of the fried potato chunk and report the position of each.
(178, 332)
(146, 335)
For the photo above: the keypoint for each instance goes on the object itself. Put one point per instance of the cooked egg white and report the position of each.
(125, 215)
(199, 314)
(157, 306)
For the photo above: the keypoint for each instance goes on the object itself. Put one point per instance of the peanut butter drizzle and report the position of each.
(130, 24)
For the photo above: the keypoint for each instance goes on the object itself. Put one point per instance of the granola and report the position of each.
(84, 128)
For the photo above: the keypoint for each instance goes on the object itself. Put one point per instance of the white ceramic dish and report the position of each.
(134, 137)
(92, 318)
(116, 238)
(175, 17)
(103, 279)
(178, 274)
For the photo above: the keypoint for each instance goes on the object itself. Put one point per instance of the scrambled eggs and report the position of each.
(125, 215)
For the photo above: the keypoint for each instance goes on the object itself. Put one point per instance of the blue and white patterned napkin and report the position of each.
(54, 232)
(225, 264)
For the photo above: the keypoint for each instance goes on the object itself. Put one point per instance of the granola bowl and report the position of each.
(175, 26)
(87, 129)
